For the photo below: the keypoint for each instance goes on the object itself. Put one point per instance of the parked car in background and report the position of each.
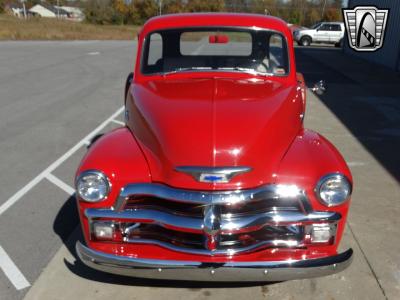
(324, 32)
(214, 177)
(294, 27)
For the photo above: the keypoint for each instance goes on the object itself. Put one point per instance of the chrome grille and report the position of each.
(284, 234)
(197, 210)
(212, 223)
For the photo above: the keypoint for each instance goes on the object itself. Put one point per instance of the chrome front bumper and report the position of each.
(198, 271)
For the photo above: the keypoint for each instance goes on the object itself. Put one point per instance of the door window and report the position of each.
(324, 27)
(335, 27)
(155, 49)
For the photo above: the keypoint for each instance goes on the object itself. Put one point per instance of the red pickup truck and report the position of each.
(214, 177)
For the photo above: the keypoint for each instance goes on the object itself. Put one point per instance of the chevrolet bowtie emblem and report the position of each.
(213, 174)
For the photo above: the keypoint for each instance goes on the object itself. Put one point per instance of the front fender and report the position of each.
(119, 157)
(309, 158)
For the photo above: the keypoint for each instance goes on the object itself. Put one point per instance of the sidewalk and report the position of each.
(364, 96)
(365, 100)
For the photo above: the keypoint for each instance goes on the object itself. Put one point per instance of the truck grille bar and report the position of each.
(212, 222)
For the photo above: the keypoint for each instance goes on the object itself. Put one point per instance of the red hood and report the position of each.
(214, 122)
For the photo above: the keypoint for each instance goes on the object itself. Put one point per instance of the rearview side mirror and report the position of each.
(319, 88)
(128, 84)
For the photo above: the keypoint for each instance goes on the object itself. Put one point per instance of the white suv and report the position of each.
(325, 32)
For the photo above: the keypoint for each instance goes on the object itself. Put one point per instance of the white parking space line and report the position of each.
(118, 122)
(6, 205)
(6, 264)
(61, 184)
(12, 272)
(94, 53)
(18, 195)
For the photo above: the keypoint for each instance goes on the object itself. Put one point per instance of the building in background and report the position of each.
(49, 11)
(16, 10)
(389, 54)
(74, 13)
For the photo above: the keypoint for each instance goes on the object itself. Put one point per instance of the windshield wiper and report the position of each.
(187, 69)
(247, 70)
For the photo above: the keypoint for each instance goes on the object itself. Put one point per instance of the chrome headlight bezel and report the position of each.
(339, 179)
(101, 178)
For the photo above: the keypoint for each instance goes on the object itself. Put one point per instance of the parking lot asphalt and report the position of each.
(54, 95)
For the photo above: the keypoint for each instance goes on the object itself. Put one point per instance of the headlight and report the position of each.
(333, 189)
(92, 186)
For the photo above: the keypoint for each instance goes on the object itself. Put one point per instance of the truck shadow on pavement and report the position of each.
(66, 226)
(364, 96)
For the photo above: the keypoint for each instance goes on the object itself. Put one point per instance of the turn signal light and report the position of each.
(320, 233)
(103, 231)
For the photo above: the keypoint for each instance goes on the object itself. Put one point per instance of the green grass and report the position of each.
(12, 28)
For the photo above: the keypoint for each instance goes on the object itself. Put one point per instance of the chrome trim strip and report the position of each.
(227, 225)
(201, 271)
(221, 252)
(204, 197)
(166, 220)
(254, 222)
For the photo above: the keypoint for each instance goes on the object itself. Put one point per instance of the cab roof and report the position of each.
(215, 19)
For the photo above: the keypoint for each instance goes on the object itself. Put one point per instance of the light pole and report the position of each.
(160, 7)
(24, 8)
(58, 9)
(323, 10)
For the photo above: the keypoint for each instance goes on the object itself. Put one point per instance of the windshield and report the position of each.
(215, 49)
(315, 25)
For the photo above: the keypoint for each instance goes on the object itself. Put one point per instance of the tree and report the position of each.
(144, 10)
(268, 7)
(313, 16)
(120, 6)
(301, 12)
(53, 2)
(205, 5)
(173, 7)
(100, 12)
(332, 14)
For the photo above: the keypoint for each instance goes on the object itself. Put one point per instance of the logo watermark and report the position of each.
(365, 26)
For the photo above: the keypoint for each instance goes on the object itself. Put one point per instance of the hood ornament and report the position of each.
(213, 174)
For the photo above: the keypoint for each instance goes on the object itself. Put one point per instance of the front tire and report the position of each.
(305, 41)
